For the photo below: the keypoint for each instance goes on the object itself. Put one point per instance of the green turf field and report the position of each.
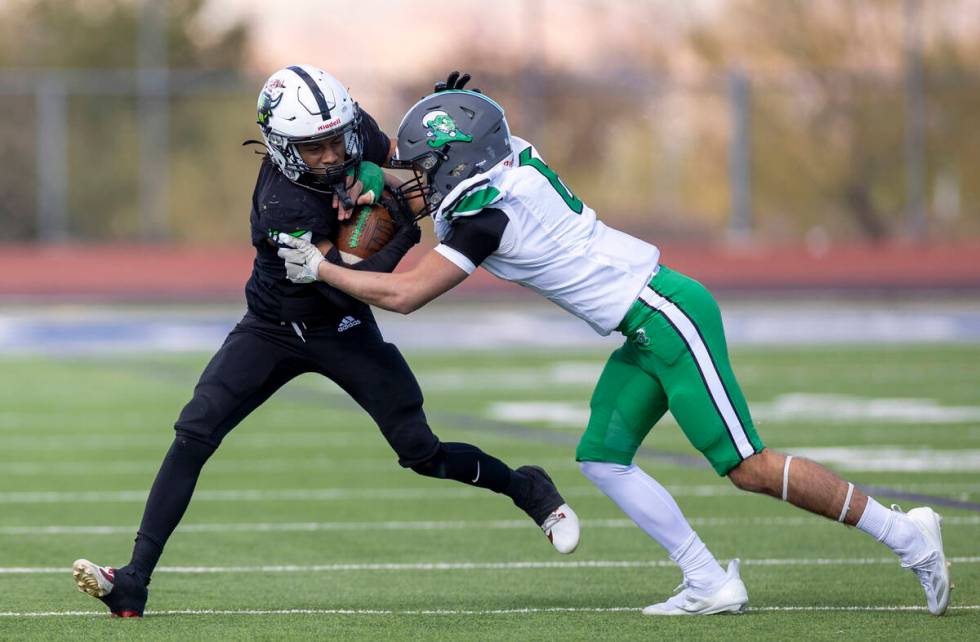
(355, 547)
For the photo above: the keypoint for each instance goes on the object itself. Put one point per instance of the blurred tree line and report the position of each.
(828, 114)
(206, 168)
(643, 140)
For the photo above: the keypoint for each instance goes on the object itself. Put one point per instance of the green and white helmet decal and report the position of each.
(441, 129)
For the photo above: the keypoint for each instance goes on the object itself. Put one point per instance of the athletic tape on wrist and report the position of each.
(847, 502)
(789, 458)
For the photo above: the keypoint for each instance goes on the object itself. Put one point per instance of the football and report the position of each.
(364, 233)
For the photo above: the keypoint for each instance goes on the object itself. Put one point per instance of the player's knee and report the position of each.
(597, 471)
(755, 474)
(743, 478)
(189, 447)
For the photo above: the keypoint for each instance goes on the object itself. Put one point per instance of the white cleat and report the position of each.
(932, 569)
(93, 579)
(730, 597)
(561, 528)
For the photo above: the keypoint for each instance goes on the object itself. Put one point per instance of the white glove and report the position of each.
(302, 258)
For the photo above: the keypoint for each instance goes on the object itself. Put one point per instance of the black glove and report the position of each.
(401, 215)
(454, 81)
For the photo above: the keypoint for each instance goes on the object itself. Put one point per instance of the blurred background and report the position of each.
(816, 163)
(770, 147)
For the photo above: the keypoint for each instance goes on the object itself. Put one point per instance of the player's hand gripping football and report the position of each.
(302, 259)
(361, 186)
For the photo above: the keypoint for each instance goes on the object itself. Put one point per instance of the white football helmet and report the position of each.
(301, 104)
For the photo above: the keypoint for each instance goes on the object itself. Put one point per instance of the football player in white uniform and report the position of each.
(495, 203)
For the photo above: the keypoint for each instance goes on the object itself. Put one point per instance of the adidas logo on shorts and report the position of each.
(347, 323)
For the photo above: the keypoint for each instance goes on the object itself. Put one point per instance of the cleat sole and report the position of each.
(86, 581)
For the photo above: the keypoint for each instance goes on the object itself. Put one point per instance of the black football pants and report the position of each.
(259, 357)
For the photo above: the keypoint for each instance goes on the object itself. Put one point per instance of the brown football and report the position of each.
(364, 233)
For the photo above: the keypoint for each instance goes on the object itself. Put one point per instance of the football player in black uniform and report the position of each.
(323, 156)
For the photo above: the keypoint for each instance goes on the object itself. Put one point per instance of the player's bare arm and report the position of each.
(402, 292)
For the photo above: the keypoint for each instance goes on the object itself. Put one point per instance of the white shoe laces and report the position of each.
(682, 595)
(552, 520)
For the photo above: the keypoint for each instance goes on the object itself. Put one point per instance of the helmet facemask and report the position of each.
(420, 185)
(320, 179)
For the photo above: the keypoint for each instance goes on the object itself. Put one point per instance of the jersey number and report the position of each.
(570, 199)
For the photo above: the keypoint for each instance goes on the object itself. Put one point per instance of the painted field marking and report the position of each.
(472, 566)
(324, 494)
(561, 373)
(227, 466)
(786, 408)
(524, 611)
(850, 408)
(893, 458)
(503, 524)
(341, 494)
(162, 438)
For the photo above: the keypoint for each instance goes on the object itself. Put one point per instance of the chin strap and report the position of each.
(341, 191)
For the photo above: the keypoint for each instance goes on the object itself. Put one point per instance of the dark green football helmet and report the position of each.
(448, 137)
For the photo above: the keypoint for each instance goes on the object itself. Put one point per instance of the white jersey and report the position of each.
(552, 243)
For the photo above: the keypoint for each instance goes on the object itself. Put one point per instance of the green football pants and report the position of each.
(675, 358)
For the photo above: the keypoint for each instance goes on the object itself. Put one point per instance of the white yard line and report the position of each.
(324, 494)
(893, 458)
(229, 466)
(524, 611)
(297, 527)
(787, 408)
(961, 491)
(473, 566)
(160, 439)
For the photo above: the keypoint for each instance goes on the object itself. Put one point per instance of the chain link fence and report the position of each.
(154, 154)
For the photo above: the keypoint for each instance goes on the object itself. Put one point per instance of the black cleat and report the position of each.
(123, 590)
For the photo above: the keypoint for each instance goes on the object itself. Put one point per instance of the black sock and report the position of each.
(468, 464)
(169, 497)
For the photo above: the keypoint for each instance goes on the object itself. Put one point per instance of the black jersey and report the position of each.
(279, 205)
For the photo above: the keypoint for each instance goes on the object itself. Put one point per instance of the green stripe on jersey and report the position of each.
(477, 200)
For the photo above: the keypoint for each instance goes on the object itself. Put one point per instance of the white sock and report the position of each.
(649, 504)
(700, 568)
(891, 528)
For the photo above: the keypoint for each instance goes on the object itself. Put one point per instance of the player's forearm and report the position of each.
(374, 288)
(387, 258)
